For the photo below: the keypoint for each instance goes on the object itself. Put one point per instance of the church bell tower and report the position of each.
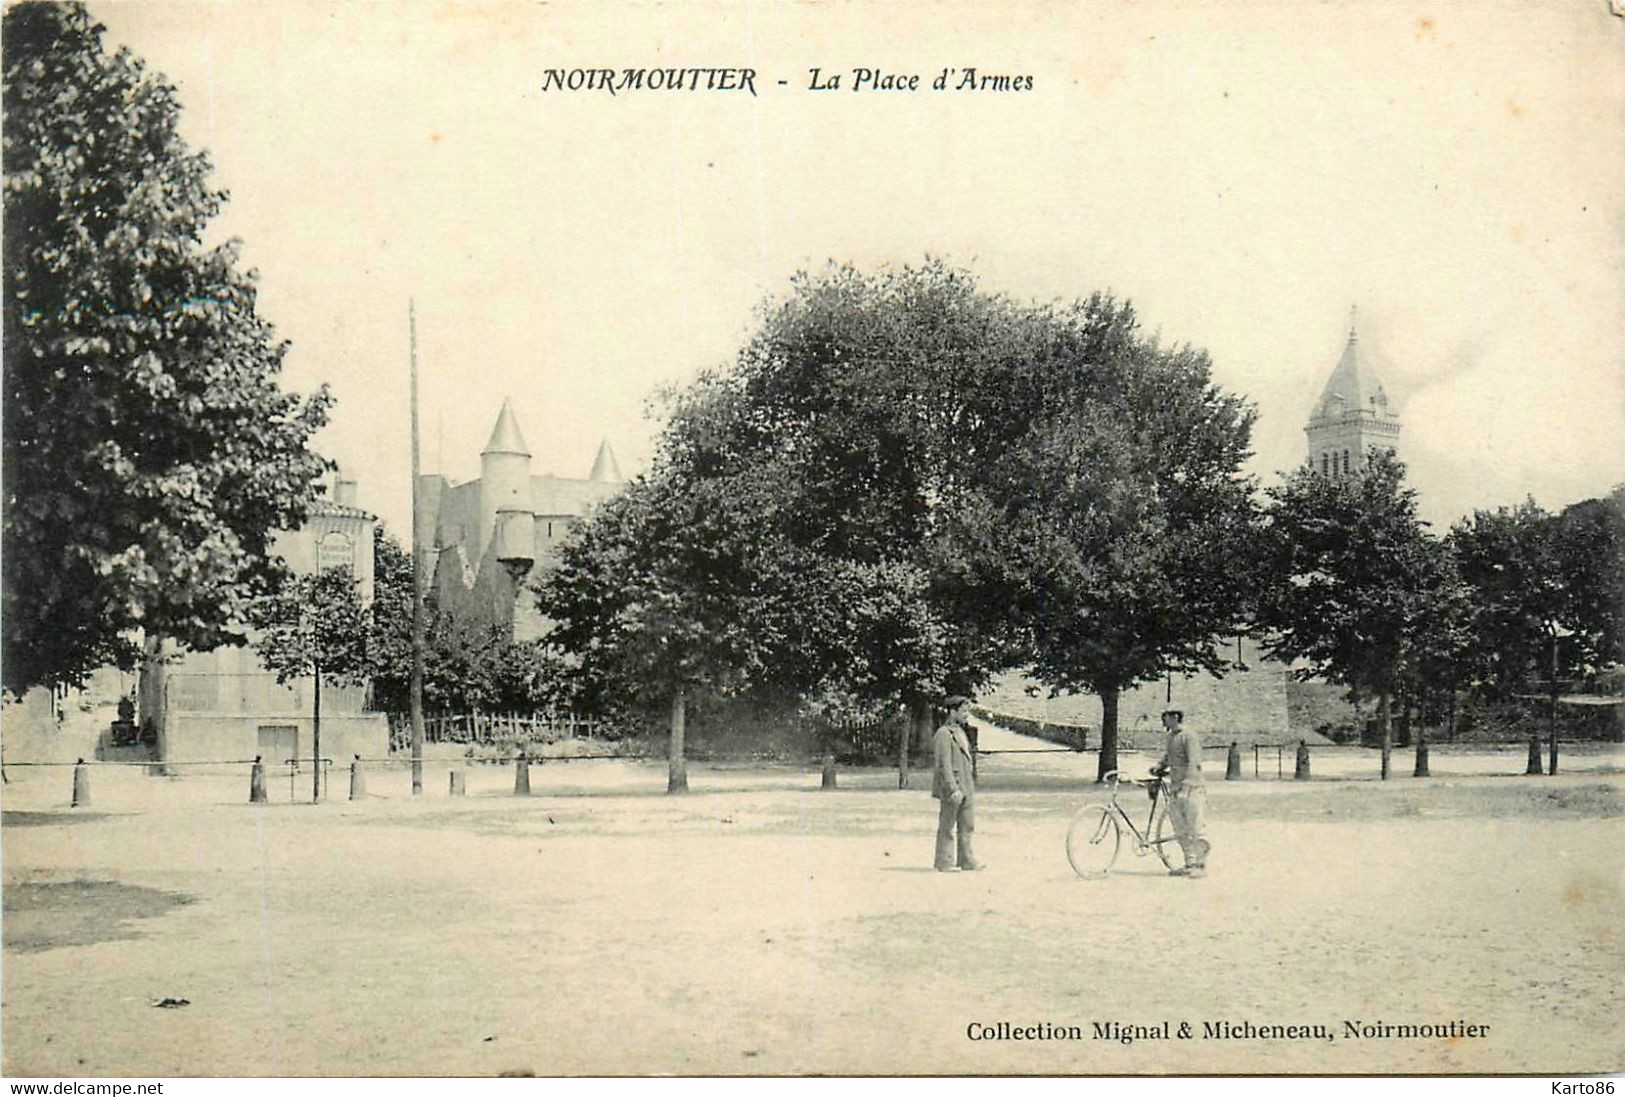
(1352, 415)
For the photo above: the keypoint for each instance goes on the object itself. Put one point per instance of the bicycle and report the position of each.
(1095, 835)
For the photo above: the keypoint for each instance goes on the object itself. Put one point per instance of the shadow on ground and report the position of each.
(57, 914)
(47, 818)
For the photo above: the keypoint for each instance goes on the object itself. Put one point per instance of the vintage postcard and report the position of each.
(955, 538)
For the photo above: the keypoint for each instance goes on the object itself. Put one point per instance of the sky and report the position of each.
(1245, 173)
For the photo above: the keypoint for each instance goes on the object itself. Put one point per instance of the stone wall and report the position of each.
(1245, 706)
(193, 737)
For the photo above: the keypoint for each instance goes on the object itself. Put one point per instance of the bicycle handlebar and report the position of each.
(1114, 778)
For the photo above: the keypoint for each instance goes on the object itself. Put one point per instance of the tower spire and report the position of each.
(505, 436)
(1352, 414)
(605, 469)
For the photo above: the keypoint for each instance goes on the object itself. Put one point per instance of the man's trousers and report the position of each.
(1187, 810)
(950, 816)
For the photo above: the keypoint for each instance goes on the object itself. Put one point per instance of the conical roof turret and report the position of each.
(1352, 389)
(605, 469)
(505, 436)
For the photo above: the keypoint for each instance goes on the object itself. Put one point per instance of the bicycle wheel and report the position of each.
(1092, 841)
(1165, 843)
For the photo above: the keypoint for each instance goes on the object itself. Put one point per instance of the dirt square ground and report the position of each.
(761, 926)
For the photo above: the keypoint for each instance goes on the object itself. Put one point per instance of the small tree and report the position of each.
(315, 626)
(1357, 575)
(647, 596)
(1441, 644)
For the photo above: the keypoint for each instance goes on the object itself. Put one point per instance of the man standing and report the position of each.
(1187, 795)
(953, 782)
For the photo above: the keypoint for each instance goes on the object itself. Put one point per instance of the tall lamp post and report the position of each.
(416, 689)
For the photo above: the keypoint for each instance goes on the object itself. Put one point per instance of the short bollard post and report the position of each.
(1232, 764)
(1534, 769)
(456, 782)
(1421, 760)
(358, 780)
(1301, 773)
(521, 775)
(256, 782)
(81, 784)
(829, 770)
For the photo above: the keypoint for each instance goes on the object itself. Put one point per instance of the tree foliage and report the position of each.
(1509, 558)
(149, 453)
(1363, 592)
(1536, 577)
(311, 624)
(314, 626)
(660, 593)
(1591, 569)
(905, 484)
(1125, 530)
(466, 667)
(859, 416)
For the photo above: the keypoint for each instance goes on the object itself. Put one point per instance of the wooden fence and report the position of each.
(491, 727)
(864, 740)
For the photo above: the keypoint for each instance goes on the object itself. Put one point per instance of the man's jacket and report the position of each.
(952, 771)
(1183, 760)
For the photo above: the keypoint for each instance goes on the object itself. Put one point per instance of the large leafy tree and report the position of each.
(1126, 535)
(941, 483)
(861, 412)
(1535, 576)
(149, 452)
(1590, 548)
(1548, 594)
(314, 626)
(1510, 560)
(1359, 580)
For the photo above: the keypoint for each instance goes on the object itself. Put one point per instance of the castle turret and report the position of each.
(1352, 415)
(605, 469)
(505, 506)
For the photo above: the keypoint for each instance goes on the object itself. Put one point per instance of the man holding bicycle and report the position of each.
(1187, 795)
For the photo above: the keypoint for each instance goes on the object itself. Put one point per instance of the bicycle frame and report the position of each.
(1144, 843)
(1092, 850)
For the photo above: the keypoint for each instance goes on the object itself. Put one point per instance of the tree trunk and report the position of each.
(316, 740)
(1450, 718)
(1551, 766)
(152, 710)
(1404, 721)
(677, 772)
(1421, 769)
(1385, 725)
(919, 715)
(1108, 734)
